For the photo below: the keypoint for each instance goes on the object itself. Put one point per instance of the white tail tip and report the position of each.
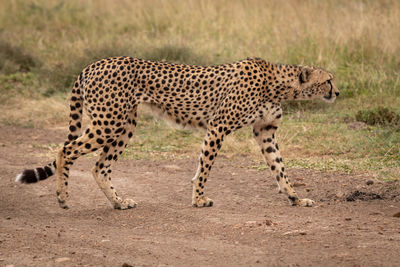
(18, 179)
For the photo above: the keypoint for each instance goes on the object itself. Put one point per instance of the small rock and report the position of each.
(172, 168)
(63, 259)
(250, 223)
(347, 219)
(236, 226)
(376, 213)
(8, 218)
(295, 232)
(126, 265)
(397, 214)
(297, 184)
(339, 194)
(369, 182)
(268, 222)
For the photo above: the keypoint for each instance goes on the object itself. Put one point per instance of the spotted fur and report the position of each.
(220, 98)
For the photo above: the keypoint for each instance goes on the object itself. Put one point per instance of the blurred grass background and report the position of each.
(44, 44)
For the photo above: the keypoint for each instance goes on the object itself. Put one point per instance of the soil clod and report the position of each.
(364, 196)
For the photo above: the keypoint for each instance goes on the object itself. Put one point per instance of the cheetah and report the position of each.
(220, 99)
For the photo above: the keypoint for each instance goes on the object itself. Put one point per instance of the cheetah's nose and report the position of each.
(337, 93)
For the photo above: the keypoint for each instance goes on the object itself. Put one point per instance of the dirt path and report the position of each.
(250, 224)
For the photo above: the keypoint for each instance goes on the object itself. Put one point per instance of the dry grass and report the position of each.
(64, 36)
(34, 112)
(220, 30)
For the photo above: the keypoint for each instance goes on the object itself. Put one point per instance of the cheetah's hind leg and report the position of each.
(66, 157)
(102, 170)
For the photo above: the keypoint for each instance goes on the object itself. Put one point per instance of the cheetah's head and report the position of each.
(316, 83)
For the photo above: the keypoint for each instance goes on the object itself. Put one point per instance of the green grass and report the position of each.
(45, 44)
(156, 139)
(18, 83)
(379, 116)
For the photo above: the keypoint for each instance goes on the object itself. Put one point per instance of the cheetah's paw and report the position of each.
(125, 204)
(63, 204)
(202, 201)
(62, 200)
(305, 202)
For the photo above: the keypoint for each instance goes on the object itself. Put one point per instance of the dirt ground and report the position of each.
(250, 224)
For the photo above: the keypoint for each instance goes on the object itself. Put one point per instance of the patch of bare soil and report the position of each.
(250, 224)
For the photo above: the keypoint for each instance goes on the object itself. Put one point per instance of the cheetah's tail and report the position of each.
(37, 174)
(76, 107)
(76, 104)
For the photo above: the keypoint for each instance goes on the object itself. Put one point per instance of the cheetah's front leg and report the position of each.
(212, 143)
(264, 133)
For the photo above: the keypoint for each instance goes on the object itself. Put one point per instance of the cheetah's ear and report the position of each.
(305, 75)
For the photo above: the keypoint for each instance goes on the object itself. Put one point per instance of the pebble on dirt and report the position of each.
(268, 222)
(297, 184)
(397, 214)
(63, 259)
